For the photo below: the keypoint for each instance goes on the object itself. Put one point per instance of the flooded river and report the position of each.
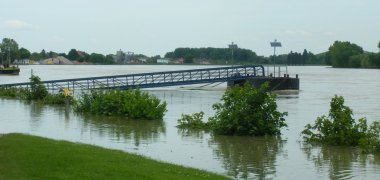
(237, 157)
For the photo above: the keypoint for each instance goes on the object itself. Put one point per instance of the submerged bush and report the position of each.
(133, 104)
(10, 92)
(340, 128)
(193, 121)
(37, 92)
(58, 99)
(245, 111)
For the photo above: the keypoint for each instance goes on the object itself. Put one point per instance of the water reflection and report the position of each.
(343, 162)
(36, 112)
(121, 128)
(247, 157)
(192, 134)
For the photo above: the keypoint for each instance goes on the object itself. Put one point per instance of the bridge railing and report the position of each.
(276, 71)
(154, 79)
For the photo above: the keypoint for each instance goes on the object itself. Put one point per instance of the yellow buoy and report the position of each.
(66, 92)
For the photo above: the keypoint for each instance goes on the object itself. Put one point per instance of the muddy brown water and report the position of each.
(238, 157)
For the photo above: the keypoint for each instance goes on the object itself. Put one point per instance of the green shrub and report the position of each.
(37, 90)
(247, 111)
(58, 99)
(193, 121)
(9, 92)
(340, 128)
(371, 142)
(133, 104)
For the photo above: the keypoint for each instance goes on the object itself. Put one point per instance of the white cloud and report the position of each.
(17, 24)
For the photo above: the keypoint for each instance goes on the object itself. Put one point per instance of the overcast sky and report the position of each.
(157, 26)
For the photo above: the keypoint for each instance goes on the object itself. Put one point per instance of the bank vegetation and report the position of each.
(31, 157)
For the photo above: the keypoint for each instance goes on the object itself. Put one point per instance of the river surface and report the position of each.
(236, 157)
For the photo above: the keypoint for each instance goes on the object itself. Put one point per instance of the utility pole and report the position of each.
(1, 52)
(9, 55)
(232, 46)
(274, 45)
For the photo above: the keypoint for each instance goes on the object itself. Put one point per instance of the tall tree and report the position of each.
(97, 58)
(73, 55)
(340, 52)
(10, 48)
(52, 54)
(305, 56)
(24, 53)
(43, 54)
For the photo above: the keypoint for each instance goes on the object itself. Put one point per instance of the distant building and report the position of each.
(163, 61)
(119, 57)
(124, 57)
(143, 60)
(21, 61)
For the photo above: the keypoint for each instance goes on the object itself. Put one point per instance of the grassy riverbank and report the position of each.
(31, 157)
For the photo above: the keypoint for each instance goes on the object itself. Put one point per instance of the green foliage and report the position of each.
(340, 52)
(58, 99)
(38, 56)
(374, 60)
(340, 128)
(193, 121)
(9, 47)
(31, 157)
(294, 58)
(189, 59)
(37, 89)
(371, 142)
(9, 92)
(73, 55)
(247, 111)
(24, 53)
(100, 59)
(36, 92)
(240, 55)
(133, 104)
(355, 61)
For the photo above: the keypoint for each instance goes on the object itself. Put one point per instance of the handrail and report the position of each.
(153, 79)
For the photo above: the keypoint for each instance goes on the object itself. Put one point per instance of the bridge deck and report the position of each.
(154, 79)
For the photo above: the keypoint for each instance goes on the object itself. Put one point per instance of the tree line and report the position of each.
(216, 54)
(243, 56)
(350, 55)
(306, 58)
(340, 54)
(10, 50)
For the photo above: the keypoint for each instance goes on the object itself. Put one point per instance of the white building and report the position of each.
(21, 61)
(163, 61)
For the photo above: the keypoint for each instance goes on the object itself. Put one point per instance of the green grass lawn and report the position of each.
(31, 157)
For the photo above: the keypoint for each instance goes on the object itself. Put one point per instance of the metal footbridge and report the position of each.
(151, 80)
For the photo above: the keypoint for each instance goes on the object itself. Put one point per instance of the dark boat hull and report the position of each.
(10, 71)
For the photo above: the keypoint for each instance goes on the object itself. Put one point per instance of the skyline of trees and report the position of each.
(343, 54)
(339, 54)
